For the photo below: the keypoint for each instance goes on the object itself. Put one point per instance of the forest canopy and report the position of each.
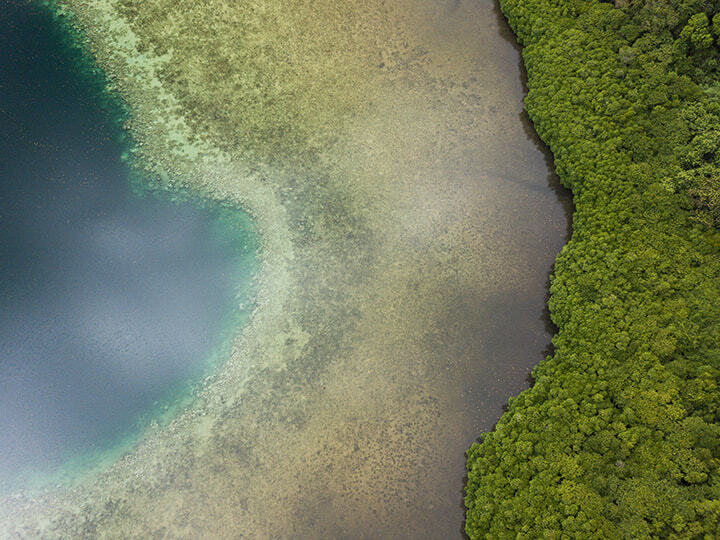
(619, 436)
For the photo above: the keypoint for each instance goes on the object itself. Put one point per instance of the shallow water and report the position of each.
(410, 219)
(114, 300)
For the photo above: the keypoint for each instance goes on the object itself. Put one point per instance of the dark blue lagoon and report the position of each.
(113, 301)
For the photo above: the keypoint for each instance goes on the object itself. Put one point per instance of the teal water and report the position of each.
(114, 301)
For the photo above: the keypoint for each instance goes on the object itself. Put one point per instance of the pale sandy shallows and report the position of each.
(408, 230)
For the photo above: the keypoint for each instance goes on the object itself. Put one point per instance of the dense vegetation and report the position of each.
(619, 437)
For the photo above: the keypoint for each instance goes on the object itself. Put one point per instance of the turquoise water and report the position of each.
(115, 301)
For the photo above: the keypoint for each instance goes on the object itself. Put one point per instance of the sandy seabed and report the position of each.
(408, 226)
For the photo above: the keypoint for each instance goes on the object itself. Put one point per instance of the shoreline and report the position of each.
(613, 439)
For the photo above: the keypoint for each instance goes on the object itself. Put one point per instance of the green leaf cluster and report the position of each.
(619, 437)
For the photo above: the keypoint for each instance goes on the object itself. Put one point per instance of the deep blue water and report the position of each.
(111, 303)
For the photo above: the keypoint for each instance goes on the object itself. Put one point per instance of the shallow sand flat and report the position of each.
(408, 230)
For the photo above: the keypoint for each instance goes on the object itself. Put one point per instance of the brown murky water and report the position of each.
(409, 220)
